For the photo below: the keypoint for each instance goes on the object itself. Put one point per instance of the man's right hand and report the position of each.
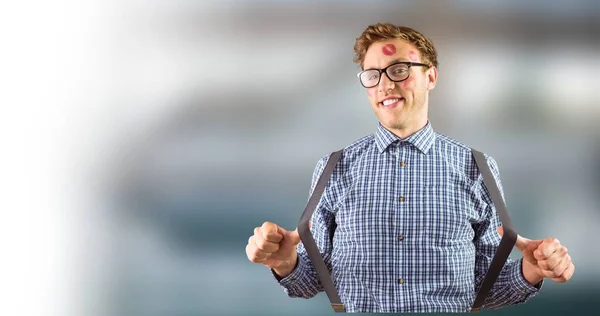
(274, 247)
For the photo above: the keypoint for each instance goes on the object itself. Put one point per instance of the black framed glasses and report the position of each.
(396, 72)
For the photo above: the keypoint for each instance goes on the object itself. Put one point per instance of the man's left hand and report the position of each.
(545, 258)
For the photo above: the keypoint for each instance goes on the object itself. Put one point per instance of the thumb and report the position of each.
(291, 235)
(525, 245)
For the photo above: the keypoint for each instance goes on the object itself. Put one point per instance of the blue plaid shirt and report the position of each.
(416, 229)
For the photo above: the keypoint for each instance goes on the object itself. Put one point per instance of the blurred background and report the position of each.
(192, 122)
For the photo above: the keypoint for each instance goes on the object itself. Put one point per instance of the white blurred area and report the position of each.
(185, 124)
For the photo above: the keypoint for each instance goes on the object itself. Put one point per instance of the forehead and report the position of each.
(380, 54)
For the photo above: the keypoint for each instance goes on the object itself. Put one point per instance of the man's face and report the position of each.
(401, 107)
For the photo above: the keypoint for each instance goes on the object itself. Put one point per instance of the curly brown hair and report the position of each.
(386, 31)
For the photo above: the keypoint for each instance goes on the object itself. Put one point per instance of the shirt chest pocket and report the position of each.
(445, 211)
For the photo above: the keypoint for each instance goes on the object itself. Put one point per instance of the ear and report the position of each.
(431, 77)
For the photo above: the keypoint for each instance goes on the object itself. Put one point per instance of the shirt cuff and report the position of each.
(298, 272)
(299, 283)
(519, 283)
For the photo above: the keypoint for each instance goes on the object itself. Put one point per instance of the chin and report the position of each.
(394, 123)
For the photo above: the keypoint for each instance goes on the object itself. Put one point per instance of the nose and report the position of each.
(385, 83)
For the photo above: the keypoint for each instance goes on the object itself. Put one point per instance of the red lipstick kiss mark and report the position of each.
(412, 55)
(388, 49)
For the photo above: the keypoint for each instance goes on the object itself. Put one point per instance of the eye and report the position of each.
(399, 71)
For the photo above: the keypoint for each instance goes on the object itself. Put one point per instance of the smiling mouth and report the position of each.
(390, 102)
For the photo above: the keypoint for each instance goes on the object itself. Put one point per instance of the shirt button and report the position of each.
(400, 237)
(401, 198)
(401, 281)
(402, 164)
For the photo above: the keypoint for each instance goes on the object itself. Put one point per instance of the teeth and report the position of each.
(389, 101)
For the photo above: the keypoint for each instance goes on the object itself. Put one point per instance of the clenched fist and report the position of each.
(274, 247)
(544, 258)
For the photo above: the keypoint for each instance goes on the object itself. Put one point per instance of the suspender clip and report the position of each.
(338, 308)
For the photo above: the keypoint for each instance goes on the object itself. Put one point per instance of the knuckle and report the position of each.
(260, 243)
(251, 251)
(560, 269)
(268, 226)
(268, 230)
(271, 235)
(252, 256)
(547, 253)
(257, 255)
(257, 233)
(265, 246)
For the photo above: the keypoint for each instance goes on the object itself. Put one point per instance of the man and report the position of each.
(405, 223)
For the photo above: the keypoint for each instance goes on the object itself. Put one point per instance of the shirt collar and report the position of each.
(422, 139)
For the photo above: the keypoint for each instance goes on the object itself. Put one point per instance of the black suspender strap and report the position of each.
(509, 236)
(307, 237)
(507, 243)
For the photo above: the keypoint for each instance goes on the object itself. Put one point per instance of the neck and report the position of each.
(407, 131)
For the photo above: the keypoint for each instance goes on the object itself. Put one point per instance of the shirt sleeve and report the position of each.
(511, 287)
(303, 281)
